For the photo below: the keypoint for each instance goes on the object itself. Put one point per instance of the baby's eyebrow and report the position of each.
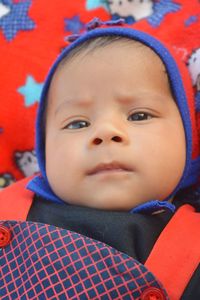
(122, 98)
(81, 102)
(140, 95)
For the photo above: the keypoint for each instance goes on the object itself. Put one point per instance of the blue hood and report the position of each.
(40, 184)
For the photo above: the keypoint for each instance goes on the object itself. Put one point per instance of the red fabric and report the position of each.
(15, 201)
(176, 254)
(31, 52)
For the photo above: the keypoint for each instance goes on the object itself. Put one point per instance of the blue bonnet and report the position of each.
(182, 89)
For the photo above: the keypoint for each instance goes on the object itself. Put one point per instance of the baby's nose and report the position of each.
(109, 133)
(116, 138)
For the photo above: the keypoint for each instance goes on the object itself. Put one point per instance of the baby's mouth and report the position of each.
(109, 168)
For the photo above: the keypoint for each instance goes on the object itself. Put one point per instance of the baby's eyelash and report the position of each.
(77, 124)
(134, 117)
(140, 116)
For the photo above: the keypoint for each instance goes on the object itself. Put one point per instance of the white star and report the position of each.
(4, 10)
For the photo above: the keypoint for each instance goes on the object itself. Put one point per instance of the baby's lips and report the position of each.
(109, 166)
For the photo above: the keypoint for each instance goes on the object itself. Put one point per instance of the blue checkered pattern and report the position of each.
(46, 262)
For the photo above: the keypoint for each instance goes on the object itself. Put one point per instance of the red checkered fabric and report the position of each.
(45, 262)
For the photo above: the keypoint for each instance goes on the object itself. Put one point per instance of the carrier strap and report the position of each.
(176, 254)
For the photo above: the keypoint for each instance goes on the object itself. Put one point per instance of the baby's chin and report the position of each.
(109, 197)
(111, 204)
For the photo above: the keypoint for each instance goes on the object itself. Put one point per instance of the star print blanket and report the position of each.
(32, 34)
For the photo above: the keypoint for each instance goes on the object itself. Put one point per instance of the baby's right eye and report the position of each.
(78, 124)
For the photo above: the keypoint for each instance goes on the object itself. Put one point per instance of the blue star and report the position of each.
(161, 9)
(15, 18)
(93, 4)
(31, 91)
(74, 24)
(191, 20)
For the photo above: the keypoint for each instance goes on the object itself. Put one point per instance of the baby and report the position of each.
(109, 113)
(117, 148)
(110, 131)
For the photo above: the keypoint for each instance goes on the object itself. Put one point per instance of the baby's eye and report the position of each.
(139, 116)
(77, 124)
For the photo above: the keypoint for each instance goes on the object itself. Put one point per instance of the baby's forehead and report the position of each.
(77, 62)
(104, 42)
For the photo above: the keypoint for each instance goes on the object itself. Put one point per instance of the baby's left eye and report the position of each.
(77, 124)
(139, 116)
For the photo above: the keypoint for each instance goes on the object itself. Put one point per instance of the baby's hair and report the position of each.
(91, 45)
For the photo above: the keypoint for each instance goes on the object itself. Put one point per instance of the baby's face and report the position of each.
(114, 136)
